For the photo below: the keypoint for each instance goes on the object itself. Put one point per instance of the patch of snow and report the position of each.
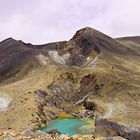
(4, 102)
(56, 58)
(43, 60)
(110, 111)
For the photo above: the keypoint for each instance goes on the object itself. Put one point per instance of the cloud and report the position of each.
(41, 21)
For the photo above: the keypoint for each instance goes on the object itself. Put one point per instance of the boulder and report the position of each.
(106, 128)
(54, 132)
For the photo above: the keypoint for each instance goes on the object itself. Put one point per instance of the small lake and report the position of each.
(70, 126)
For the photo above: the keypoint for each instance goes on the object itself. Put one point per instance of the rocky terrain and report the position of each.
(39, 135)
(92, 75)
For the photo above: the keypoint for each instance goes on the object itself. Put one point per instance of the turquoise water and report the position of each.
(68, 126)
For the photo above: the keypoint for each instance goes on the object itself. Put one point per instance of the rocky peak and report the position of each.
(81, 32)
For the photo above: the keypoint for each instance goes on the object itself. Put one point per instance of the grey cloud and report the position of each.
(41, 21)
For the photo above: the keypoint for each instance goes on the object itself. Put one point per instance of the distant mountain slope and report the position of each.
(135, 39)
(132, 43)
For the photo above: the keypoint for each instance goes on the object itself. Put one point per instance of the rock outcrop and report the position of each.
(39, 135)
(108, 128)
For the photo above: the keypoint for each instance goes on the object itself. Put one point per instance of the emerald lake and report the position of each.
(70, 126)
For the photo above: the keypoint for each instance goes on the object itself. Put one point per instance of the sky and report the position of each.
(43, 21)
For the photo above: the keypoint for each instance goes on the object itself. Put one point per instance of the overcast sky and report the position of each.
(42, 21)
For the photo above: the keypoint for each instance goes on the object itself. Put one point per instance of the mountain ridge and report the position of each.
(44, 81)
